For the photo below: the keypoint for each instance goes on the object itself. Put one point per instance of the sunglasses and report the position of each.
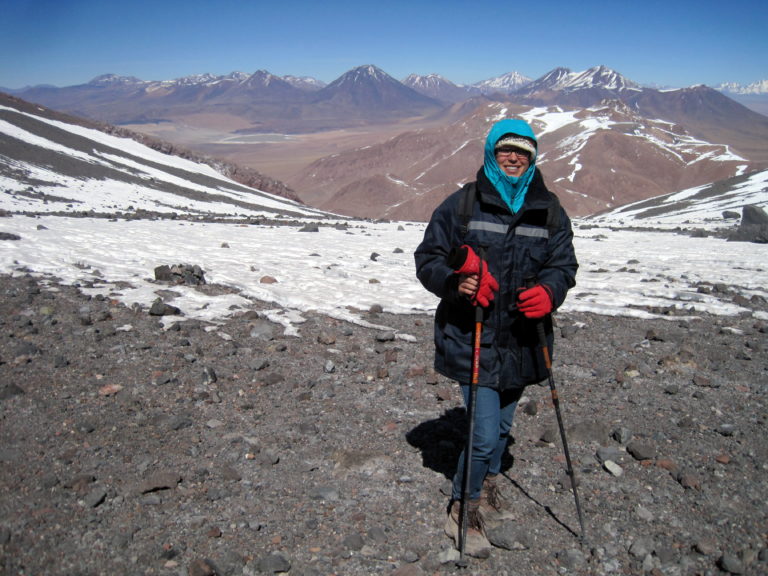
(506, 151)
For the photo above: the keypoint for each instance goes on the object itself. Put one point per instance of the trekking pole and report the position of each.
(475, 378)
(530, 282)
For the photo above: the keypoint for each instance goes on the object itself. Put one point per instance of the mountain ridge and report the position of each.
(508, 82)
(647, 128)
(272, 103)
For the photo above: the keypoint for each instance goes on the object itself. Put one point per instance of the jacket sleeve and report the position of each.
(431, 256)
(559, 272)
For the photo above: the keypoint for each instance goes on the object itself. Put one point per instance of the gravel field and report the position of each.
(232, 449)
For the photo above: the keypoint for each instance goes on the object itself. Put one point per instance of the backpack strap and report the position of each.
(553, 214)
(466, 205)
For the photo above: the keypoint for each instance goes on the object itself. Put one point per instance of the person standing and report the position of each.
(516, 231)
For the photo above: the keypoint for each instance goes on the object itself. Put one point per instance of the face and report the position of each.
(513, 161)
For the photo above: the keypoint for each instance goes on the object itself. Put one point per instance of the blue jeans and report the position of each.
(494, 412)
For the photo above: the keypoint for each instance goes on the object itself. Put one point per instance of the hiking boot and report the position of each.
(494, 508)
(477, 543)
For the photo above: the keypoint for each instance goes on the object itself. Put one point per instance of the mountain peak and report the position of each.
(113, 80)
(428, 81)
(370, 91)
(438, 87)
(509, 82)
(366, 71)
(596, 78)
(600, 77)
(366, 75)
(760, 87)
(304, 82)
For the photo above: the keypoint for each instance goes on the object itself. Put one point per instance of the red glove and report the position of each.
(535, 302)
(470, 262)
(471, 267)
(488, 285)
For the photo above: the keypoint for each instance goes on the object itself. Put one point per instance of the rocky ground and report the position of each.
(130, 449)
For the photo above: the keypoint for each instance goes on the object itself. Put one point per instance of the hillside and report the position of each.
(594, 159)
(52, 163)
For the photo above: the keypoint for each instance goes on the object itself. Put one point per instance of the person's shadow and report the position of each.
(441, 441)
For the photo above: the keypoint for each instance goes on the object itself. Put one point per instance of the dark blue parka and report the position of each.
(516, 246)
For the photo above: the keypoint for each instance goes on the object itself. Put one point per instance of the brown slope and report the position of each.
(629, 158)
(618, 166)
(712, 116)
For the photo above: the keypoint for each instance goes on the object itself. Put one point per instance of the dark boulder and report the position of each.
(753, 227)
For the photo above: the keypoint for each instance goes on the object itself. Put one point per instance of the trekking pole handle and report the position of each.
(530, 282)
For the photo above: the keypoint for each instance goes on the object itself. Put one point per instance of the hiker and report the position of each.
(480, 248)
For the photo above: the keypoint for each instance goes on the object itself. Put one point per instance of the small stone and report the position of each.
(613, 468)
(612, 453)
(202, 567)
(508, 536)
(622, 435)
(726, 429)
(703, 381)
(644, 514)
(731, 563)
(409, 569)
(572, 558)
(110, 389)
(705, 546)
(723, 459)
(326, 338)
(689, 481)
(641, 450)
(95, 497)
(641, 547)
(160, 481)
(10, 390)
(354, 542)
(160, 308)
(274, 564)
(209, 375)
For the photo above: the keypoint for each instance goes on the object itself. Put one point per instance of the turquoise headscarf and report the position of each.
(512, 190)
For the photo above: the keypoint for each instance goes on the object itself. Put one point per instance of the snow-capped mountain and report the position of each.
(505, 84)
(564, 80)
(115, 80)
(754, 96)
(760, 87)
(438, 87)
(368, 91)
(304, 82)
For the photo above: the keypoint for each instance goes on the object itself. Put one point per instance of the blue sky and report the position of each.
(667, 43)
